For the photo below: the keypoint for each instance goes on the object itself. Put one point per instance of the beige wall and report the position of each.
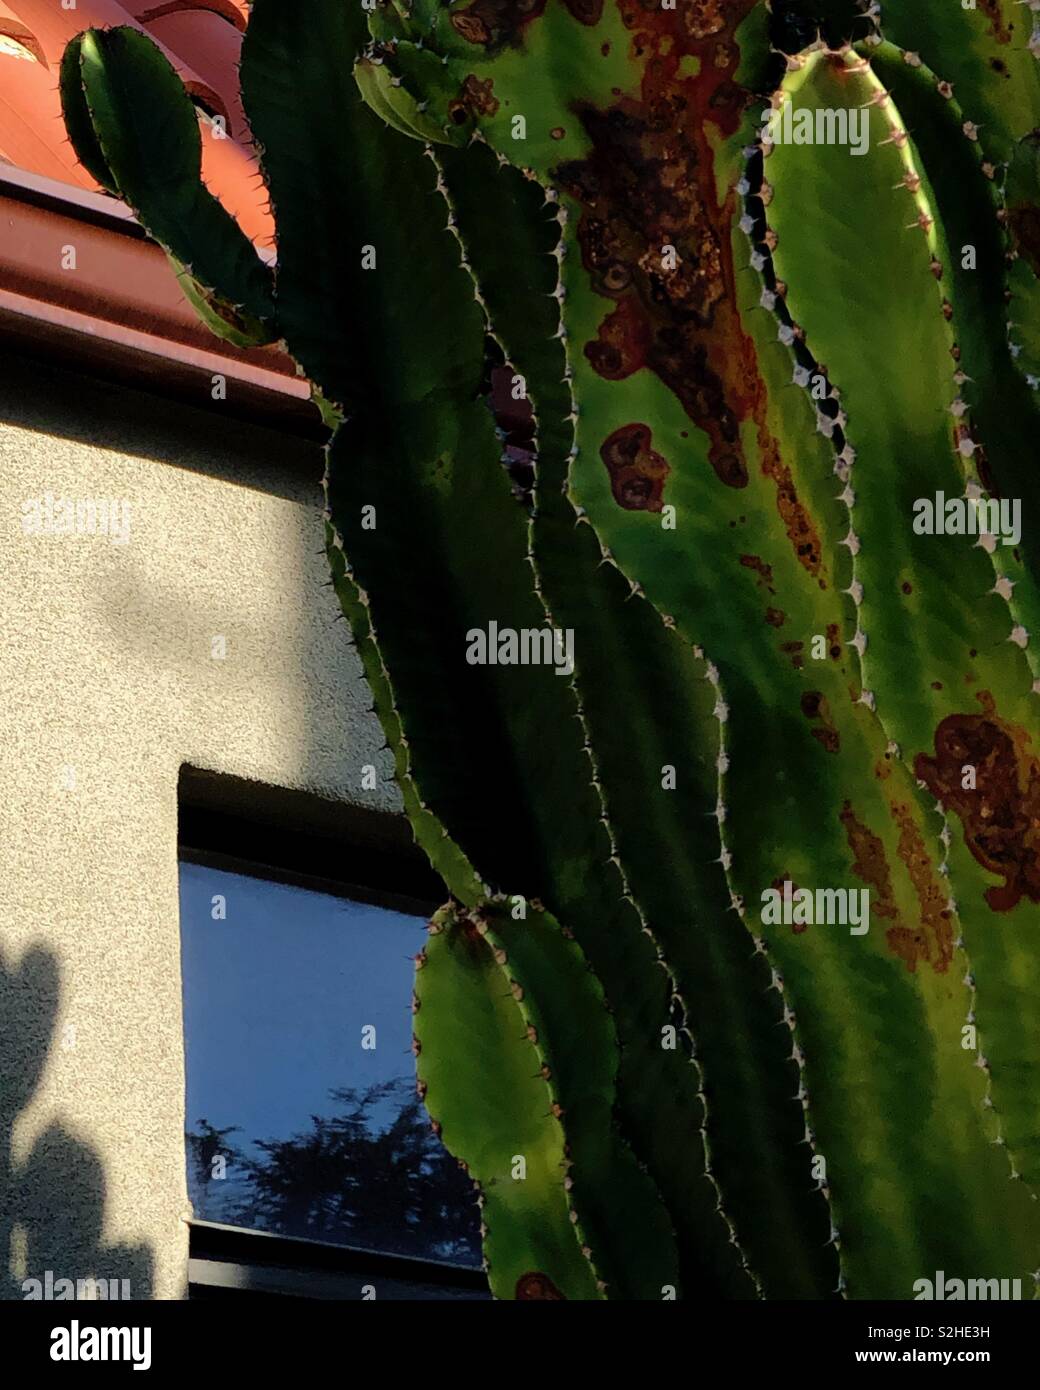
(107, 685)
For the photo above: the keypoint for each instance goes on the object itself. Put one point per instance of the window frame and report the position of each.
(366, 860)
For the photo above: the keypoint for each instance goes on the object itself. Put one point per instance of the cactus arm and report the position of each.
(985, 52)
(388, 78)
(630, 661)
(482, 1079)
(633, 1251)
(143, 134)
(77, 117)
(1003, 410)
(954, 603)
(929, 608)
(330, 196)
(389, 98)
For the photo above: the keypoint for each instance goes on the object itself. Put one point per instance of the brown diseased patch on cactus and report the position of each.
(475, 98)
(538, 1286)
(1000, 30)
(465, 935)
(764, 571)
(1024, 222)
(869, 863)
(498, 24)
(794, 651)
(814, 706)
(931, 941)
(588, 12)
(624, 337)
(801, 531)
(647, 185)
(637, 471)
(776, 617)
(1000, 817)
(224, 310)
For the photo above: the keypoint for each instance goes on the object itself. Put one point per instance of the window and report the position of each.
(312, 1165)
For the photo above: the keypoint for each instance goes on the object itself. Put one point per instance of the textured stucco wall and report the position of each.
(107, 685)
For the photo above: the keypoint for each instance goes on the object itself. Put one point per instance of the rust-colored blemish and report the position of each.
(1000, 816)
(1023, 219)
(799, 525)
(224, 310)
(764, 571)
(998, 26)
(623, 338)
(494, 24)
(534, 1285)
(648, 184)
(1024, 223)
(908, 945)
(475, 98)
(588, 12)
(869, 863)
(834, 641)
(794, 651)
(931, 941)
(637, 471)
(776, 617)
(815, 707)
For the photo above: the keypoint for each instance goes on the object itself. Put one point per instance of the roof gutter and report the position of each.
(81, 283)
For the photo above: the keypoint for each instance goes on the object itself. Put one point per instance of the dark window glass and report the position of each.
(302, 1113)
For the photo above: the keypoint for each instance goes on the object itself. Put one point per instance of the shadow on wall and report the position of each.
(51, 1204)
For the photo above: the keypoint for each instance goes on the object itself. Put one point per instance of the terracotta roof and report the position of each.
(202, 41)
(122, 312)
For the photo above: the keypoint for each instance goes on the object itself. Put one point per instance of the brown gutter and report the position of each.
(80, 282)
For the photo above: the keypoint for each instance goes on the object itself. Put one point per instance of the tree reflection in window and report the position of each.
(302, 1110)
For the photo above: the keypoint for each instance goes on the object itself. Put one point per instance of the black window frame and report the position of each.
(349, 852)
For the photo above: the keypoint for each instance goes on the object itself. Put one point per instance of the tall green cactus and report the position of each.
(747, 360)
